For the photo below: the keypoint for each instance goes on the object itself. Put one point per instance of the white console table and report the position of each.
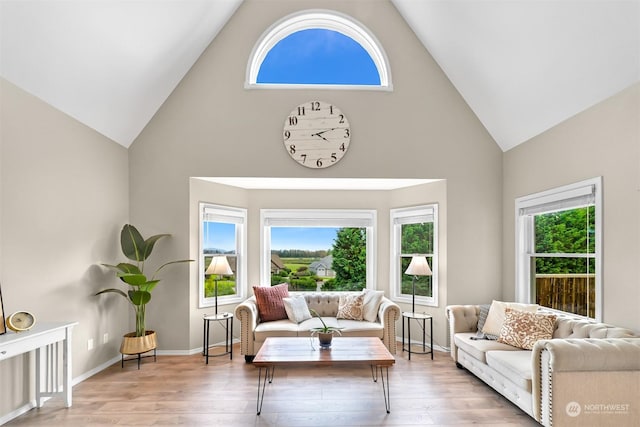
(52, 344)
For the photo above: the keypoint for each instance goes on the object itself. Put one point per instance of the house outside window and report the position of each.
(558, 249)
(414, 231)
(222, 232)
(330, 250)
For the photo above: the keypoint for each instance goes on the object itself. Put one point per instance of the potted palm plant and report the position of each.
(137, 249)
(325, 333)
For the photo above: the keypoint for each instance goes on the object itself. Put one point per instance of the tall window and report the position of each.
(318, 249)
(222, 232)
(318, 49)
(558, 249)
(414, 231)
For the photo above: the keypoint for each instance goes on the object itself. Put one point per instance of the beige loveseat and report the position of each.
(588, 374)
(253, 332)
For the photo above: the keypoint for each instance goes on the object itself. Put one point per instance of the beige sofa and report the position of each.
(253, 332)
(587, 375)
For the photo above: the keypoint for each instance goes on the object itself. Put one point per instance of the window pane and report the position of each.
(569, 231)
(417, 238)
(566, 284)
(219, 238)
(318, 56)
(312, 258)
(423, 283)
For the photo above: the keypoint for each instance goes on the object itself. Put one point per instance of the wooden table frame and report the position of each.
(344, 351)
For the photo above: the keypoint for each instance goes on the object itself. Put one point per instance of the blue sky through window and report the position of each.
(219, 236)
(305, 238)
(318, 56)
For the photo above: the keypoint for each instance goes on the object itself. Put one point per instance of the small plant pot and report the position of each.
(131, 344)
(325, 340)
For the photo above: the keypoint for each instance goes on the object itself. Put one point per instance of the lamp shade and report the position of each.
(219, 265)
(418, 266)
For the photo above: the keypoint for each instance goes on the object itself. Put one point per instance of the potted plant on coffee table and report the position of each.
(325, 333)
(138, 250)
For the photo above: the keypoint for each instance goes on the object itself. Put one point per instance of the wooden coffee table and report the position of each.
(344, 351)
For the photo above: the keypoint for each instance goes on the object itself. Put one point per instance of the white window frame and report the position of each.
(227, 214)
(316, 218)
(412, 215)
(560, 198)
(322, 19)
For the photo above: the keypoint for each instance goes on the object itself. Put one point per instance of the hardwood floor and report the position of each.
(182, 390)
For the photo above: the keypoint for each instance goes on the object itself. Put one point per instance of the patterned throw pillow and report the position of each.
(350, 307)
(522, 329)
(496, 315)
(296, 308)
(482, 318)
(269, 301)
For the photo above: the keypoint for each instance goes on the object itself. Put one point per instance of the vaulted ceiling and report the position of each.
(523, 66)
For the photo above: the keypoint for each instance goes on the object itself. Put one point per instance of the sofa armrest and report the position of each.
(388, 314)
(247, 313)
(462, 318)
(585, 371)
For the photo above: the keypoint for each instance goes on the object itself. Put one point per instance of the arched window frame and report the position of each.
(322, 19)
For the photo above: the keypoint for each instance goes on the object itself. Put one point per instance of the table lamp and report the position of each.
(417, 267)
(219, 266)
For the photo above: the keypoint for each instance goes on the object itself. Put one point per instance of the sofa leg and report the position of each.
(459, 366)
(249, 359)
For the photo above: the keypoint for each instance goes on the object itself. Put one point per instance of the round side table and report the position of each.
(419, 317)
(227, 318)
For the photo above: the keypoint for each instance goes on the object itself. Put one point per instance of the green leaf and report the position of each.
(139, 297)
(171, 262)
(132, 243)
(149, 243)
(133, 279)
(149, 285)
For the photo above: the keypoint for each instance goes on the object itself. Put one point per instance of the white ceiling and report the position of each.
(523, 66)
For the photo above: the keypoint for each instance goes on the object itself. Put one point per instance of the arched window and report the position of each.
(318, 49)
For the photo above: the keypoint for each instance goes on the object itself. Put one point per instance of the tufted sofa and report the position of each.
(588, 374)
(253, 332)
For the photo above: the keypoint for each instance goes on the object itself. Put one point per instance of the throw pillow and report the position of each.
(522, 329)
(269, 301)
(496, 315)
(482, 318)
(371, 304)
(350, 307)
(296, 308)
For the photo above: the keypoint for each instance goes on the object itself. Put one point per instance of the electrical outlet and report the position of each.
(90, 344)
(105, 338)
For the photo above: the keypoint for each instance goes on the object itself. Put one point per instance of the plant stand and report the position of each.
(132, 345)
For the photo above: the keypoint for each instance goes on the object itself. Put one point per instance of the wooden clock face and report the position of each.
(316, 134)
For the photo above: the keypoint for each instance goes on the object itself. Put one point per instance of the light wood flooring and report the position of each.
(182, 390)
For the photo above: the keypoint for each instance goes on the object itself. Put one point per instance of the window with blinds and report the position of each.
(414, 232)
(559, 248)
(222, 232)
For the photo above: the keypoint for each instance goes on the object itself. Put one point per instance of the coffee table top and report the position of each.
(343, 351)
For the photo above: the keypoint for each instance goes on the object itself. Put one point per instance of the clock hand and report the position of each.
(319, 134)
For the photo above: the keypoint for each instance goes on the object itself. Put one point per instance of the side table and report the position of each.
(227, 318)
(407, 316)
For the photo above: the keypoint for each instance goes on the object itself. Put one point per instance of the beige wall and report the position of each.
(602, 141)
(212, 126)
(64, 195)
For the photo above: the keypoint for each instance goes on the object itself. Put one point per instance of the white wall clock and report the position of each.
(316, 134)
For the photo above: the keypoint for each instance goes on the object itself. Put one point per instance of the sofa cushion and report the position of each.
(482, 318)
(371, 304)
(477, 348)
(515, 365)
(496, 315)
(296, 308)
(269, 301)
(522, 329)
(350, 307)
(276, 328)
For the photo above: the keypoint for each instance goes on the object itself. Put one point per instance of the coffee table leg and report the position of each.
(385, 388)
(268, 377)
(374, 373)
